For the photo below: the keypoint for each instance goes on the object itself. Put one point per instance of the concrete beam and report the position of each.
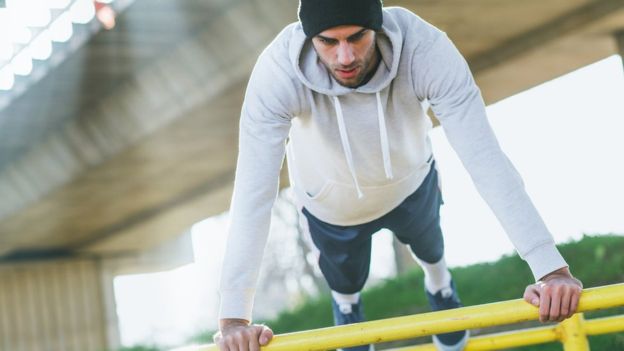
(532, 39)
(197, 71)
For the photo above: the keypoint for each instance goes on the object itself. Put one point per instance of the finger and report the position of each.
(544, 306)
(230, 344)
(574, 300)
(266, 335)
(565, 304)
(254, 345)
(222, 343)
(250, 339)
(237, 342)
(531, 295)
(242, 343)
(555, 305)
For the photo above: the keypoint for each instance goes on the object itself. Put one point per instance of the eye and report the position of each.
(326, 41)
(357, 36)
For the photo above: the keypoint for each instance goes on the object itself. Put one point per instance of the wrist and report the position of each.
(563, 271)
(232, 322)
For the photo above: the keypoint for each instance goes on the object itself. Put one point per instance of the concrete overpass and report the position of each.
(109, 156)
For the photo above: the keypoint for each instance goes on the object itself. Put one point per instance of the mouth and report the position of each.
(346, 74)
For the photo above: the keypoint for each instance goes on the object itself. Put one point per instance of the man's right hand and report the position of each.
(238, 335)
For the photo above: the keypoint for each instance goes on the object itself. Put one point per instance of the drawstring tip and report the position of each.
(360, 194)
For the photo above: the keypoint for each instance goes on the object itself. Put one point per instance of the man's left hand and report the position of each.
(557, 295)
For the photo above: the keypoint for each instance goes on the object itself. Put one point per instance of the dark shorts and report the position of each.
(345, 251)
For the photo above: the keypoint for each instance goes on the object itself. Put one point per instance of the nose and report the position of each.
(345, 54)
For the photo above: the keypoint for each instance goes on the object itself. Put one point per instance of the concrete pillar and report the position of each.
(69, 304)
(111, 321)
(52, 305)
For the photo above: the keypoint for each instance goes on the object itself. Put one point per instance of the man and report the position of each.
(341, 93)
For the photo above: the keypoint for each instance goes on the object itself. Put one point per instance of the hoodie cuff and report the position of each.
(544, 259)
(236, 304)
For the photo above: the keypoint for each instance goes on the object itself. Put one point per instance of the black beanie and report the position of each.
(319, 15)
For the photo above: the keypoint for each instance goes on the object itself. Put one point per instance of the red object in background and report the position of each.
(105, 14)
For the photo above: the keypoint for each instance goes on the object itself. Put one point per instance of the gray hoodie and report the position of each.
(355, 154)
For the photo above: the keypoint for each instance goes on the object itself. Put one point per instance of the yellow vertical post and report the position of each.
(573, 334)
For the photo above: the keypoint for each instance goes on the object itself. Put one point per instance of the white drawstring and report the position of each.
(345, 145)
(383, 136)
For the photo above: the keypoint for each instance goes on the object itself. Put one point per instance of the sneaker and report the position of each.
(347, 314)
(447, 299)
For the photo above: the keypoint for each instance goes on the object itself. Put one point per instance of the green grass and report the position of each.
(595, 260)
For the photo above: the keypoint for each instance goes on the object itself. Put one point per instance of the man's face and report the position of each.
(348, 52)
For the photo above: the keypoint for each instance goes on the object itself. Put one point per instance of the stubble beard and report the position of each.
(365, 66)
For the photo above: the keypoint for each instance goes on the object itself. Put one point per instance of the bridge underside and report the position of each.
(133, 138)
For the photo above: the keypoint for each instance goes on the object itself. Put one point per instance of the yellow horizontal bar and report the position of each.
(500, 340)
(528, 337)
(399, 328)
(603, 297)
(605, 325)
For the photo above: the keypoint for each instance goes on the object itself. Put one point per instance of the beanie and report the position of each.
(319, 15)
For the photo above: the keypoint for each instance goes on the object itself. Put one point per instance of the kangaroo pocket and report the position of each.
(322, 193)
(337, 203)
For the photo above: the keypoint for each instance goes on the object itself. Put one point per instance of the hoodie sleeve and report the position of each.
(442, 76)
(264, 126)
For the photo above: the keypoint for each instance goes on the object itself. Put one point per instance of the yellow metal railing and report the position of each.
(572, 332)
(536, 336)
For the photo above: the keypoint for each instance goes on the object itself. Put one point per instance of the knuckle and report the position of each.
(238, 337)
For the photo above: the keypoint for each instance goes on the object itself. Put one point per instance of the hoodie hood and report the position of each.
(314, 75)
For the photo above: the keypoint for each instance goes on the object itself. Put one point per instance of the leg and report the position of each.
(416, 222)
(344, 253)
(344, 259)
